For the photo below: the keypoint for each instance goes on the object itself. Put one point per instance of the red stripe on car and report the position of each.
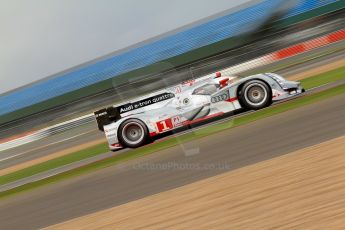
(232, 99)
(152, 134)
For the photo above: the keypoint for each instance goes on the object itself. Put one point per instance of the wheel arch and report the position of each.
(240, 86)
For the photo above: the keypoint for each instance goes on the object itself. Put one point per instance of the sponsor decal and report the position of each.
(100, 114)
(176, 121)
(219, 98)
(178, 90)
(145, 102)
(186, 101)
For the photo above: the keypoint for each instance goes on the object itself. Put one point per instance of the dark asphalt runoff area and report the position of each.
(176, 166)
(89, 132)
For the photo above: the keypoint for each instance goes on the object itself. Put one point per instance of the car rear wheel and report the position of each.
(133, 133)
(255, 95)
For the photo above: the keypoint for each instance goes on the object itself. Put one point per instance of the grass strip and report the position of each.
(212, 129)
(54, 163)
(324, 78)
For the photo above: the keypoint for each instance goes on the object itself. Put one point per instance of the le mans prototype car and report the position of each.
(136, 122)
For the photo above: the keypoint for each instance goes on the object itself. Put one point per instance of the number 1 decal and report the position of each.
(165, 125)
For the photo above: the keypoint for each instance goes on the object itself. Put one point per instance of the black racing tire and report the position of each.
(133, 133)
(255, 94)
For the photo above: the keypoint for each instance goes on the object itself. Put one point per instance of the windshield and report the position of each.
(206, 89)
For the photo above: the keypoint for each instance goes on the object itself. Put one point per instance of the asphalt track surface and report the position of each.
(177, 166)
(89, 131)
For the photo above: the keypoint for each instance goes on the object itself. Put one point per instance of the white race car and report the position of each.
(136, 122)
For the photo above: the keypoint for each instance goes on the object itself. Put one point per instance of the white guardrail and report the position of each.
(37, 135)
(251, 64)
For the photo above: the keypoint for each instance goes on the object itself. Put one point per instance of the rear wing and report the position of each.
(106, 116)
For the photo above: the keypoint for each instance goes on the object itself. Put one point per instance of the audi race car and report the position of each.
(136, 122)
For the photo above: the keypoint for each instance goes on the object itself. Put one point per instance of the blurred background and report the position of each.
(168, 46)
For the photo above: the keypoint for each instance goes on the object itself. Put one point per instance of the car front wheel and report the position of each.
(255, 95)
